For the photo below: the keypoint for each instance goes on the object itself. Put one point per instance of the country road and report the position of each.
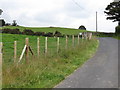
(101, 71)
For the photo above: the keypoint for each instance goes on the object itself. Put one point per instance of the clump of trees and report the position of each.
(113, 12)
(3, 23)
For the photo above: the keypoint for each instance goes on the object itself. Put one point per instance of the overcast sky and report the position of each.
(57, 13)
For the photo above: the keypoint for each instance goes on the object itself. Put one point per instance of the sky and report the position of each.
(58, 13)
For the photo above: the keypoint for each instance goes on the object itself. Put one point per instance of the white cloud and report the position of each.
(63, 13)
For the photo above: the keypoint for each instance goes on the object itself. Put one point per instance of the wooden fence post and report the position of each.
(86, 35)
(15, 51)
(1, 44)
(78, 39)
(58, 44)
(90, 36)
(66, 42)
(73, 40)
(38, 46)
(27, 49)
(46, 46)
(82, 35)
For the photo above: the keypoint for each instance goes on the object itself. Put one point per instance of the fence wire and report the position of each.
(8, 47)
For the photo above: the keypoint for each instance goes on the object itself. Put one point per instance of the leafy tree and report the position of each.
(14, 23)
(113, 11)
(2, 22)
(1, 11)
(82, 27)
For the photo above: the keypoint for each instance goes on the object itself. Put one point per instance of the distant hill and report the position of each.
(69, 31)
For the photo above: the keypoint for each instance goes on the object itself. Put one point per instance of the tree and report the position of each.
(82, 27)
(2, 22)
(113, 12)
(1, 11)
(14, 23)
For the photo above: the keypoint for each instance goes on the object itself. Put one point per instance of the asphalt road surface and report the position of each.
(101, 71)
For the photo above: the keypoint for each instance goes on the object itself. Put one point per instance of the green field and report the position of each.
(8, 43)
(67, 31)
(43, 72)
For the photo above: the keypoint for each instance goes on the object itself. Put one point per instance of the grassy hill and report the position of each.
(68, 31)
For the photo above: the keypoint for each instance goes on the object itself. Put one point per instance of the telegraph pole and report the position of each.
(96, 22)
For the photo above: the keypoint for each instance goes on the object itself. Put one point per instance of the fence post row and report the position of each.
(27, 47)
(15, 51)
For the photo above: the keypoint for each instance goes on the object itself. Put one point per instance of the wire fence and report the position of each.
(39, 47)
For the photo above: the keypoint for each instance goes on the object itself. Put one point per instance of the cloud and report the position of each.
(64, 13)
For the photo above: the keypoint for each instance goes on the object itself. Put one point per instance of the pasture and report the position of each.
(43, 72)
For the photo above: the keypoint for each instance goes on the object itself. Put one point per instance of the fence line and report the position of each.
(27, 47)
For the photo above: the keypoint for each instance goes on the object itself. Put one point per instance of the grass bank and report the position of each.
(44, 72)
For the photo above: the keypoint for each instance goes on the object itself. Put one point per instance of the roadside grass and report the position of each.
(43, 72)
(117, 37)
(69, 31)
(113, 36)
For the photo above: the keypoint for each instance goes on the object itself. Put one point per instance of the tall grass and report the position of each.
(48, 72)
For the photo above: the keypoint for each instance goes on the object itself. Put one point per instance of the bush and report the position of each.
(82, 27)
(15, 31)
(49, 34)
(57, 34)
(11, 31)
(28, 32)
(117, 30)
(39, 33)
(1, 30)
(6, 30)
(7, 24)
